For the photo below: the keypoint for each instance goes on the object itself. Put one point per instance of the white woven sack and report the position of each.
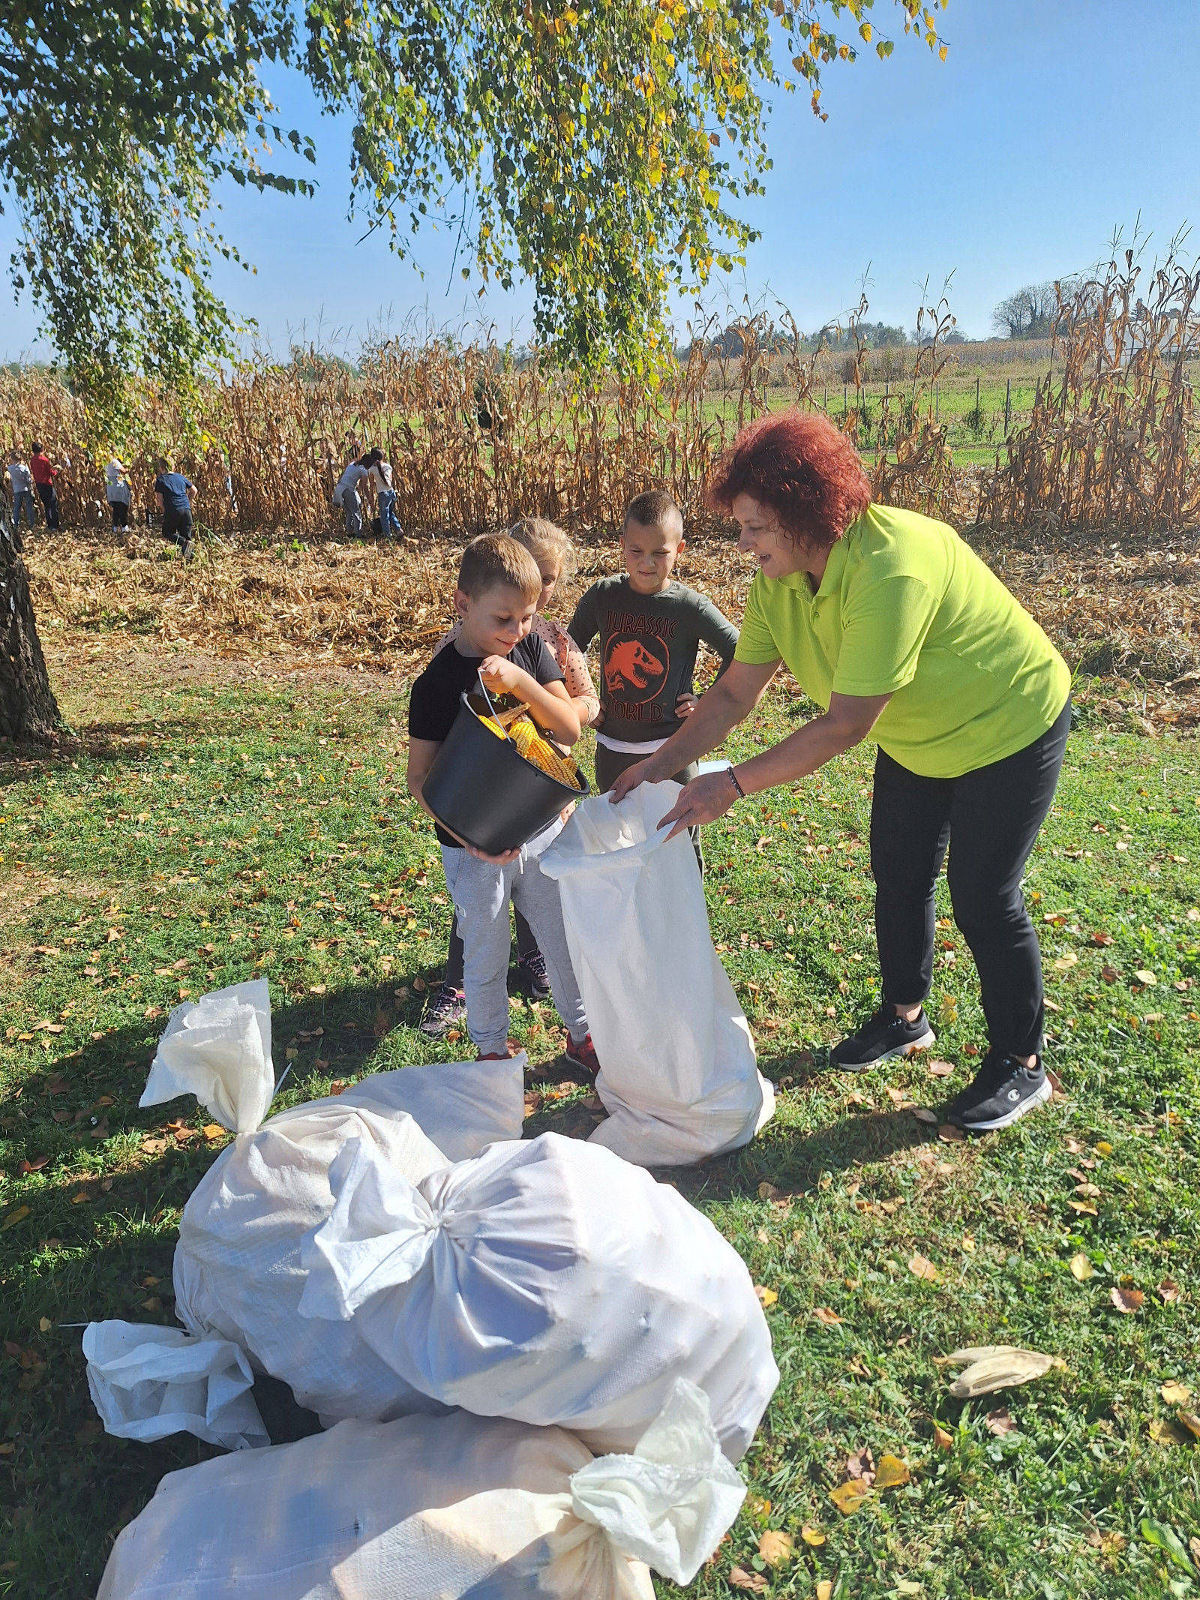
(446, 1508)
(678, 1074)
(237, 1265)
(547, 1281)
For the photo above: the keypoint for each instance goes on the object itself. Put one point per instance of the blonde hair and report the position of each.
(495, 561)
(546, 541)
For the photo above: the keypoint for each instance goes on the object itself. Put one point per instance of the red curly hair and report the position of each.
(803, 468)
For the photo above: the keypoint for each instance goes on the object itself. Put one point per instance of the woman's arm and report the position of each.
(729, 701)
(848, 721)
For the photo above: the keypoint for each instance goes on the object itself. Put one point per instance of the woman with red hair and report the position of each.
(897, 628)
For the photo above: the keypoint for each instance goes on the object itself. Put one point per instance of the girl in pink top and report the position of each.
(555, 555)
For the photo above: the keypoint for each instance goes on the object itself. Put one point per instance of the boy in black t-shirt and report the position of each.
(498, 588)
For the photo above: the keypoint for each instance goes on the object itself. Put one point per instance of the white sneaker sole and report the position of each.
(1038, 1098)
(910, 1049)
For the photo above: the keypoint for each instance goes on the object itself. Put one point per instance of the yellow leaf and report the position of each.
(1081, 1267)
(214, 1130)
(1191, 1422)
(766, 1297)
(776, 1547)
(1148, 979)
(1176, 1394)
(825, 1589)
(943, 1440)
(891, 1473)
(921, 1267)
(13, 1217)
(812, 1536)
(849, 1496)
(1104, 1148)
(44, 1326)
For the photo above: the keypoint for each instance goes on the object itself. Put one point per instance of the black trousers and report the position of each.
(49, 498)
(989, 818)
(177, 528)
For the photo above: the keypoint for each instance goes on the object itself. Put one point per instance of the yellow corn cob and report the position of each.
(541, 753)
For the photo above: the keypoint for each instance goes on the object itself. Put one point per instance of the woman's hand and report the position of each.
(630, 779)
(703, 800)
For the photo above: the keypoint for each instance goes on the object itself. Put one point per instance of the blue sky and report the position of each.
(1052, 123)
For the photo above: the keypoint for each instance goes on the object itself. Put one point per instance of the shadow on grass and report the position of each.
(104, 742)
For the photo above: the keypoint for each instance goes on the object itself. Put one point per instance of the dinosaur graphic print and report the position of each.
(629, 665)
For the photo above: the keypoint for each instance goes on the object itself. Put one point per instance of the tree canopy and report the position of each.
(604, 148)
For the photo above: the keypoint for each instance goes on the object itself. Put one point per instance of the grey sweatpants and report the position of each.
(482, 894)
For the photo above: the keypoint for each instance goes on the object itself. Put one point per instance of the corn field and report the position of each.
(478, 438)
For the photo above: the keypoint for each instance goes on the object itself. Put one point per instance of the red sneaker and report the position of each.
(581, 1053)
(501, 1055)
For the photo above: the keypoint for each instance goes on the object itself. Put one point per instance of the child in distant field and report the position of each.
(175, 494)
(116, 492)
(555, 555)
(650, 627)
(44, 474)
(499, 584)
(385, 495)
(21, 479)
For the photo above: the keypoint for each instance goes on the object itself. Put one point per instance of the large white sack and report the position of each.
(238, 1272)
(678, 1074)
(435, 1509)
(237, 1267)
(148, 1381)
(548, 1281)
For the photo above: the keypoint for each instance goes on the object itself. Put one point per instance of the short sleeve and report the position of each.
(885, 622)
(426, 710)
(544, 668)
(756, 644)
(585, 624)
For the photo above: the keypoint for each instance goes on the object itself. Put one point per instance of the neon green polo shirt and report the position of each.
(906, 608)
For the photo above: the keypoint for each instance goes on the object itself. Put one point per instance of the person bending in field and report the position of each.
(175, 494)
(651, 627)
(555, 555)
(496, 599)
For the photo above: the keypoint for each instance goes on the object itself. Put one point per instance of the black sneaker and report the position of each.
(447, 1007)
(1004, 1089)
(532, 977)
(881, 1036)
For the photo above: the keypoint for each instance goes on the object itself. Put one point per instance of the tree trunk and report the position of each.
(28, 709)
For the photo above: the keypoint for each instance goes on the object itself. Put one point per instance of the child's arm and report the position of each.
(549, 703)
(717, 632)
(585, 624)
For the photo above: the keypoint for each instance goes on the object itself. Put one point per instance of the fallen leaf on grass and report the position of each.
(1109, 974)
(13, 1217)
(1081, 1267)
(825, 1315)
(812, 1536)
(768, 1191)
(739, 1578)
(776, 1548)
(1194, 1548)
(1164, 1431)
(35, 1165)
(1100, 940)
(940, 1069)
(48, 1027)
(1000, 1422)
(1176, 1394)
(825, 1589)
(996, 1366)
(949, 1134)
(847, 1497)
(153, 1146)
(1168, 1291)
(1145, 978)
(766, 1297)
(1085, 1208)
(1190, 1421)
(943, 1440)
(213, 1131)
(921, 1267)
(861, 1465)
(44, 1324)
(923, 1114)
(892, 1472)
(1126, 1300)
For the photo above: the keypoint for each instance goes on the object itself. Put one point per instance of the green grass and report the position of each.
(206, 834)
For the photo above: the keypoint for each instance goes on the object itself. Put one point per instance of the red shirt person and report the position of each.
(44, 474)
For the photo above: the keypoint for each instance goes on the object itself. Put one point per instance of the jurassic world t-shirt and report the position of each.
(648, 646)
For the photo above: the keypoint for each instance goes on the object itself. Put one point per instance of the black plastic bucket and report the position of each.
(483, 790)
